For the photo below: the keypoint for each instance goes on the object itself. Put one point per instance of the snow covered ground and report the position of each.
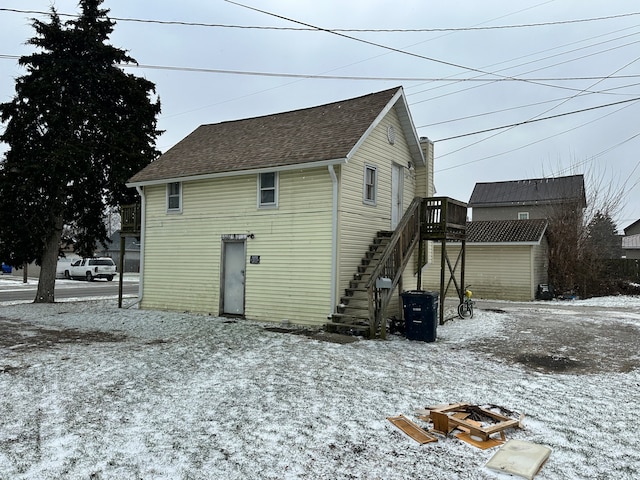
(88, 391)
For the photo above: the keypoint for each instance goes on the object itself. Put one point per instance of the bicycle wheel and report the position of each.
(462, 310)
(470, 307)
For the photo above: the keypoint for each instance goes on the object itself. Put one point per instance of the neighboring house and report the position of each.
(505, 259)
(512, 266)
(269, 217)
(526, 199)
(631, 246)
(631, 241)
(131, 252)
(633, 229)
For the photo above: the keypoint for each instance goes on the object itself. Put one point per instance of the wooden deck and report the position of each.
(130, 220)
(443, 218)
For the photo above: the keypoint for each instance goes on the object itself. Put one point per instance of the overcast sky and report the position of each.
(473, 66)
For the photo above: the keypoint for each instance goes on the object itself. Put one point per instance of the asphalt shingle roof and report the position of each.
(325, 132)
(506, 231)
(529, 192)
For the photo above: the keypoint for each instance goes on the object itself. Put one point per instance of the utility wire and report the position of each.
(528, 144)
(392, 49)
(357, 30)
(538, 119)
(456, 80)
(493, 112)
(351, 77)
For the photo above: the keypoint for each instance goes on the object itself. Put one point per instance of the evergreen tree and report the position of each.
(603, 238)
(77, 128)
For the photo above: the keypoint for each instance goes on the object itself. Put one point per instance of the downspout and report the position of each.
(334, 239)
(143, 210)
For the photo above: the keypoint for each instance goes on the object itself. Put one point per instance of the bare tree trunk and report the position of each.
(47, 280)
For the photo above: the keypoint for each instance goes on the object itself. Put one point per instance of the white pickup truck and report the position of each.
(91, 268)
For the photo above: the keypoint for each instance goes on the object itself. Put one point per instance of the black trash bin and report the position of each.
(420, 314)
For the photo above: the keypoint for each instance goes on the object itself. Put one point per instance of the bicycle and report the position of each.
(466, 306)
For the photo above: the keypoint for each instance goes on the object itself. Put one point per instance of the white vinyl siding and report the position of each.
(291, 282)
(502, 272)
(359, 222)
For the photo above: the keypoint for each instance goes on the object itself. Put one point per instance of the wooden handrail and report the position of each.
(408, 223)
(392, 263)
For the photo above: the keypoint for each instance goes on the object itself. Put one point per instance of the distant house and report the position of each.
(270, 217)
(631, 246)
(526, 199)
(131, 252)
(505, 259)
(631, 241)
(633, 229)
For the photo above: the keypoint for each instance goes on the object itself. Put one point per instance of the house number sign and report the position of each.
(254, 259)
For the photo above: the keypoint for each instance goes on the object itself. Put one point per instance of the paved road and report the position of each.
(18, 291)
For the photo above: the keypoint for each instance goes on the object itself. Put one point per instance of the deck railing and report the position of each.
(130, 219)
(443, 218)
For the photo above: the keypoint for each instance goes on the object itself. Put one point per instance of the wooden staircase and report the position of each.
(362, 309)
(353, 310)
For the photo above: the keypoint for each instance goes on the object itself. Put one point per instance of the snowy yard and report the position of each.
(93, 392)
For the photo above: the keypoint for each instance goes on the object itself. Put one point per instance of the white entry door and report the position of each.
(233, 278)
(396, 194)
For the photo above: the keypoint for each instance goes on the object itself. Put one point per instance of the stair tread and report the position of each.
(347, 315)
(354, 326)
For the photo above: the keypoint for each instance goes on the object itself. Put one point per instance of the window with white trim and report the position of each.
(174, 197)
(268, 190)
(370, 185)
(523, 215)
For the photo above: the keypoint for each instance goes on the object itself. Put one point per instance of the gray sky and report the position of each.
(458, 77)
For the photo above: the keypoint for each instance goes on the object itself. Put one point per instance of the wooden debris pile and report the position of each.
(481, 426)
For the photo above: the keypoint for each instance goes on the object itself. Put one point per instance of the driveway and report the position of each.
(562, 337)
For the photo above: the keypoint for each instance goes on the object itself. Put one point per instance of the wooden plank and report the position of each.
(482, 444)
(441, 422)
(414, 431)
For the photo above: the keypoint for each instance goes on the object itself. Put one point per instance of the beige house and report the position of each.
(269, 217)
(505, 259)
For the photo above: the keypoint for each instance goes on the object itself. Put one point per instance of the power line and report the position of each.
(493, 112)
(456, 80)
(528, 144)
(539, 119)
(352, 77)
(355, 30)
(336, 77)
(396, 50)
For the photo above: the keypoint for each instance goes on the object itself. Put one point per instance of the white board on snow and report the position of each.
(517, 457)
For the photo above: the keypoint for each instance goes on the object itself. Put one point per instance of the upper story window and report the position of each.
(523, 215)
(174, 197)
(370, 184)
(268, 190)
